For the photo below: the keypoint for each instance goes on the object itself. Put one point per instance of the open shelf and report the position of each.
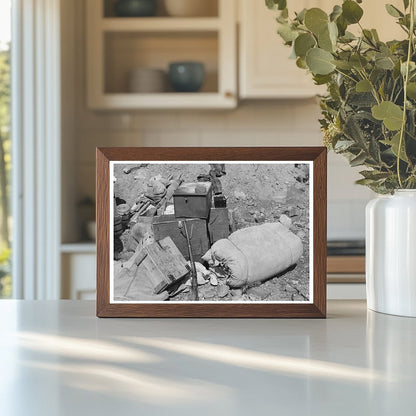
(127, 51)
(119, 45)
(167, 100)
(81, 247)
(160, 24)
(211, 9)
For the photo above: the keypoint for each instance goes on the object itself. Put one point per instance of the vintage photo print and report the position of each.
(211, 232)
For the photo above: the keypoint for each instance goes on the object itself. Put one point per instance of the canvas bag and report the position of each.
(256, 253)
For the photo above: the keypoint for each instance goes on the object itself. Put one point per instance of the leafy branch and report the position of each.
(369, 112)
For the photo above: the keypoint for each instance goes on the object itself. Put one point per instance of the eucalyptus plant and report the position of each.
(369, 111)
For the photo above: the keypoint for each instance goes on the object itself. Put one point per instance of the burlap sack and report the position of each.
(256, 253)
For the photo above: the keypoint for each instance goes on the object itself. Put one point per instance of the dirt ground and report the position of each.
(256, 193)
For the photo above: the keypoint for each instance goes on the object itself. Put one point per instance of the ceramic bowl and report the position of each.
(147, 80)
(186, 76)
(191, 8)
(135, 8)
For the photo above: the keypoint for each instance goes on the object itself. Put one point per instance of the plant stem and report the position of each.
(406, 80)
(346, 75)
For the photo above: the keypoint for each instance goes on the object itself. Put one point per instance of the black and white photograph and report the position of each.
(211, 232)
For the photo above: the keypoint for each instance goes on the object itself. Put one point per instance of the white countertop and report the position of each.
(57, 358)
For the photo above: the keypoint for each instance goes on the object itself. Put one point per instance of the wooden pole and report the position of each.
(194, 278)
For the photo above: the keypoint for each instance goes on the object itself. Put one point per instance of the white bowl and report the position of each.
(147, 80)
(191, 8)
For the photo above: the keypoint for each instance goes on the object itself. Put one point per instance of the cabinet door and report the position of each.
(265, 68)
(78, 276)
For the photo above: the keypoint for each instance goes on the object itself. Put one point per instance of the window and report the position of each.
(5, 147)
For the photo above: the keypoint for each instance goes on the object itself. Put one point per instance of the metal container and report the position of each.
(193, 200)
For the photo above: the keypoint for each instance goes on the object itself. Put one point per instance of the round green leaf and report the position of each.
(388, 112)
(393, 11)
(384, 62)
(301, 63)
(328, 38)
(351, 11)
(324, 41)
(336, 12)
(287, 33)
(344, 65)
(276, 4)
(316, 20)
(411, 90)
(303, 43)
(358, 61)
(319, 61)
(363, 86)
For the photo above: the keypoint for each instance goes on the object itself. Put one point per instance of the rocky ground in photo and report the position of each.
(256, 193)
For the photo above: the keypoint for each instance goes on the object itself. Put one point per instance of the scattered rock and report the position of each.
(201, 279)
(259, 217)
(280, 196)
(298, 298)
(292, 212)
(236, 292)
(291, 289)
(239, 195)
(213, 280)
(285, 220)
(208, 292)
(222, 291)
(259, 292)
(301, 235)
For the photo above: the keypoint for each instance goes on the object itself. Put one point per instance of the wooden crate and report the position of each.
(218, 224)
(192, 203)
(167, 225)
(160, 264)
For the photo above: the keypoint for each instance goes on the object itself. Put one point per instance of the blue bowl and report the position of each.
(135, 8)
(187, 76)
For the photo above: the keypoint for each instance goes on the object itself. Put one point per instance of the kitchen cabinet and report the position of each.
(78, 262)
(265, 70)
(118, 45)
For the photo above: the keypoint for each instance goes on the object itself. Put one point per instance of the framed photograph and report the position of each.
(211, 232)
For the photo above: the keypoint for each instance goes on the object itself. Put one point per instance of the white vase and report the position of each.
(391, 253)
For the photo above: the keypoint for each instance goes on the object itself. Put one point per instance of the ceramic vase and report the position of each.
(391, 253)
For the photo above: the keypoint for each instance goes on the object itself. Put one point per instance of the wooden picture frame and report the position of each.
(289, 157)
